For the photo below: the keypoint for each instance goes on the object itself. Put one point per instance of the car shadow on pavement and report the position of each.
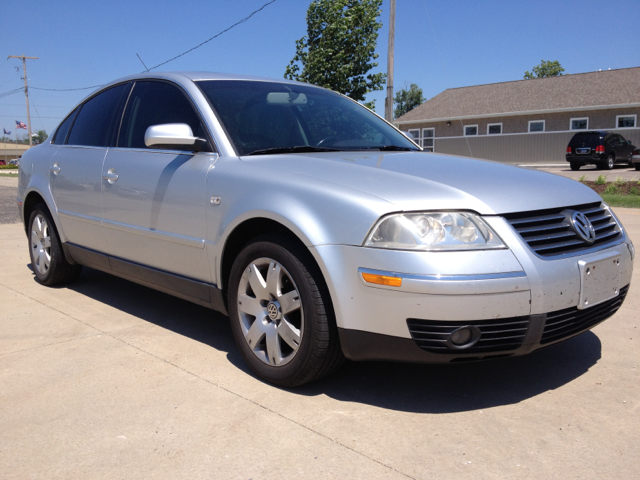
(460, 387)
(415, 388)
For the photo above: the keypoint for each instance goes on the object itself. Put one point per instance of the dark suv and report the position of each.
(602, 149)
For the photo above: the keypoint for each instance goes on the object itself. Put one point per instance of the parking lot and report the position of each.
(109, 379)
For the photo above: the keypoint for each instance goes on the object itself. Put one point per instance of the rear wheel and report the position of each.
(281, 314)
(610, 162)
(47, 257)
(574, 166)
(637, 165)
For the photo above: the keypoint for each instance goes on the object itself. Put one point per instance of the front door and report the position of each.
(154, 200)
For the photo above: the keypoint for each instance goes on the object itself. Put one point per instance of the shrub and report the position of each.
(602, 179)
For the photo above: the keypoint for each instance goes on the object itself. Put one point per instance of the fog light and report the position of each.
(461, 336)
(464, 337)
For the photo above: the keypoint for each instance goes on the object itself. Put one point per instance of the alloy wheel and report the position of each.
(270, 312)
(41, 244)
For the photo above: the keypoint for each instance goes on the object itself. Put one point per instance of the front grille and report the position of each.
(549, 233)
(568, 322)
(497, 335)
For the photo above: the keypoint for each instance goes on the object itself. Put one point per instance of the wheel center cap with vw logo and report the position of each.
(583, 227)
(273, 310)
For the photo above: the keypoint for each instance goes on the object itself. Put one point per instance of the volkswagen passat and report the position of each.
(321, 230)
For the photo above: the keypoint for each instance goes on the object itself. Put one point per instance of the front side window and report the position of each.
(97, 122)
(470, 130)
(494, 129)
(155, 103)
(536, 126)
(428, 136)
(626, 121)
(272, 117)
(579, 123)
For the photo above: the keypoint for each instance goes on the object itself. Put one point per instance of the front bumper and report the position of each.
(510, 290)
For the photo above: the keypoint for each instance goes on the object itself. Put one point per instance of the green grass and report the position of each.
(8, 174)
(626, 201)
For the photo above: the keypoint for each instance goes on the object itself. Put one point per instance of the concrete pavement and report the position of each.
(108, 379)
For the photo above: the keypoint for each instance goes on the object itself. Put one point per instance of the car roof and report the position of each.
(199, 76)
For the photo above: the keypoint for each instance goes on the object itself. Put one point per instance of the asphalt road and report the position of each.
(109, 379)
(8, 207)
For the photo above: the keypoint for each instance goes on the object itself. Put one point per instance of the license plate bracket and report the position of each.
(599, 279)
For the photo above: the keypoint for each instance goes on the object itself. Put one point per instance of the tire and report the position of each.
(611, 161)
(637, 165)
(281, 314)
(47, 257)
(574, 166)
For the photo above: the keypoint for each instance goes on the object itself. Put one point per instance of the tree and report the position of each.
(407, 99)
(545, 69)
(41, 136)
(339, 48)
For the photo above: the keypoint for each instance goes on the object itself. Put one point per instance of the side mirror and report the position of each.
(628, 142)
(173, 136)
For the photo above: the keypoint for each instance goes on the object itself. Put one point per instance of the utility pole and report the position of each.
(26, 92)
(388, 110)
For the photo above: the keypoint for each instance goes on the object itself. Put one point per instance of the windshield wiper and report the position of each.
(389, 148)
(296, 149)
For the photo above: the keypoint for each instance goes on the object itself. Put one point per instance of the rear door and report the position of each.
(76, 168)
(154, 200)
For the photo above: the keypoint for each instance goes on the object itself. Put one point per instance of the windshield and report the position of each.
(271, 117)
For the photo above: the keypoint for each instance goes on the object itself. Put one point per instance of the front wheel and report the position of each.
(637, 165)
(281, 314)
(47, 257)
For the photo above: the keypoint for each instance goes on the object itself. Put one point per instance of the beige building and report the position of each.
(9, 151)
(527, 121)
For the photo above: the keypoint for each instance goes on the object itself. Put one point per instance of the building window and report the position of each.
(626, 121)
(428, 135)
(470, 130)
(494, 129)
(579, 123)
(536, 126)
(416, 135)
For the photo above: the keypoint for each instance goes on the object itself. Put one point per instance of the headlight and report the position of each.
(433, 231)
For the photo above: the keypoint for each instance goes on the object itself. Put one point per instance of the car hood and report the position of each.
(419, 180)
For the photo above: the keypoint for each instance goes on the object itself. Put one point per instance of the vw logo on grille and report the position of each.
(272, 310)
(583, 227)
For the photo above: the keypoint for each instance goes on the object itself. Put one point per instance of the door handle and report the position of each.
(55, 169)
(110, 176)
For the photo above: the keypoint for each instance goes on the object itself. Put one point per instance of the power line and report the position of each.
(67, 89)
(215, 36)
(11, 92)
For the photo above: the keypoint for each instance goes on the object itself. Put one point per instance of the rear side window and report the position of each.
(98, 119)
(63, 129)
(156, 103)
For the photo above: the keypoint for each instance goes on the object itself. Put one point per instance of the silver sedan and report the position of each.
(320, 229)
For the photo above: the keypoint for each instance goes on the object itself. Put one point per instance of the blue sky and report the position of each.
(439, 44)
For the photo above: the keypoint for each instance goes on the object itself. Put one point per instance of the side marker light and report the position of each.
(382, 279)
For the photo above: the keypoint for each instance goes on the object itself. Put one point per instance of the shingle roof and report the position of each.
(610, 87)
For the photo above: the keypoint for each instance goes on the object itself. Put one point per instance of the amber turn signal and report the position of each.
(382, 279)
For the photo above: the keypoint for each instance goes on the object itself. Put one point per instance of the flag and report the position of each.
(21, 125)
(6, 132)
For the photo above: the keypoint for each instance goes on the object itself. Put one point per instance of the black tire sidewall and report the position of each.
(298, 268)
